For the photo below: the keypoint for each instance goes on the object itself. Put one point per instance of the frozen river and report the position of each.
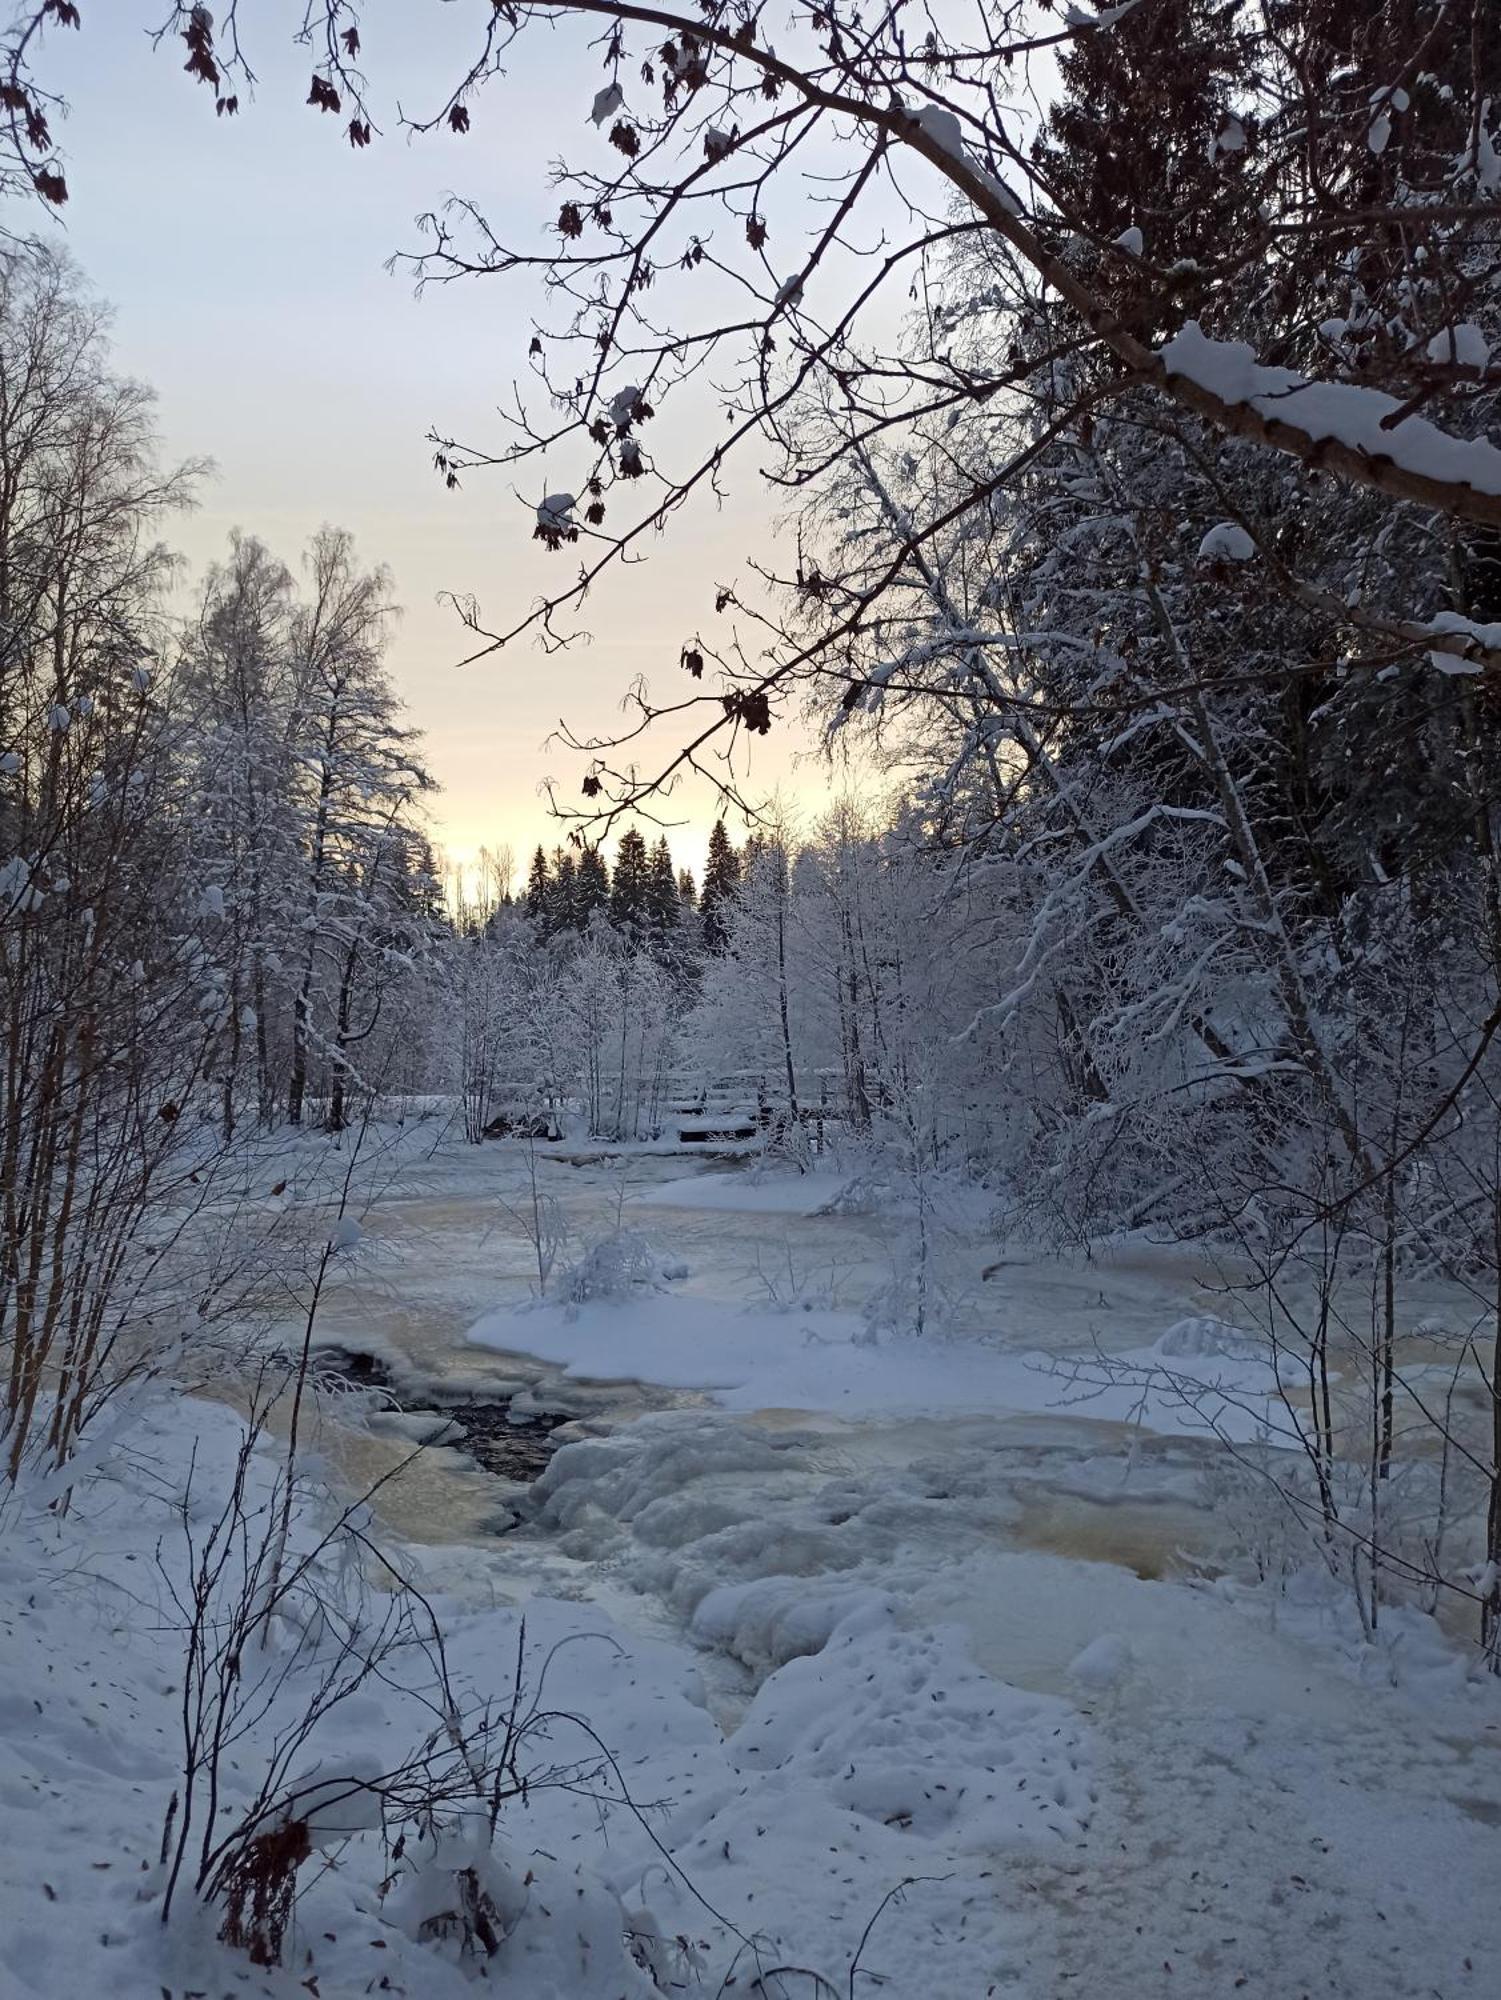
(446, 1245)
(1256, 1811)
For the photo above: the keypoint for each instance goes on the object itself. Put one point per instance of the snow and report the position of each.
(1076, 17)
(766, 1194)
(1130, 240)
(832, 1645)
(1102, 1663)
(888, 1749)
(556, 510)
(622, 410)
(335, 1805)
(606, 103)
(1454, 624)
(827, 1360)
(942, 127)
(19, 894)
(902, 1729)
(1464, 345)
(1227, 541)
(1203, 1335)
(1231, 138)
(1340, 411)
(1383, 104)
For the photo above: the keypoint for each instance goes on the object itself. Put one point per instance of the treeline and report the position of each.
(645, 896)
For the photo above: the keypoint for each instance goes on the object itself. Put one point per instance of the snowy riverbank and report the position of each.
(855, 1616)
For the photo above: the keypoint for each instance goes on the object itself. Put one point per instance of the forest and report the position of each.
(1087, 1105)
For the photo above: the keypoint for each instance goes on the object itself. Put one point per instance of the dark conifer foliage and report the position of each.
(592, 886)
(721, 880)
(538, 886)
(662, 906)
(561, 913)
(629, 891)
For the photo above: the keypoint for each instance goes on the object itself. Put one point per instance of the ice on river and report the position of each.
(828, 1361)
(894, 1631)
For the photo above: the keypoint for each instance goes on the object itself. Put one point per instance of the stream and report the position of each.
(1236, 1773)
(446, 1242)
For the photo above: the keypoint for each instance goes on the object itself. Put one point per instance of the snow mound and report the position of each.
(1102, 1663)
(904, 1730)
(1201, 1336)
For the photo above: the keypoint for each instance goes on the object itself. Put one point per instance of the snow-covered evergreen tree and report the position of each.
(721, 880)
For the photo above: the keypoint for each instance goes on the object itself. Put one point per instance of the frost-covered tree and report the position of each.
(560, 912)
(113, 1009)
(238, 675)
(662, 903)
(360, 783)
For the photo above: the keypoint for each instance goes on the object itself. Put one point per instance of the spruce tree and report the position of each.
(562, 900)
(538, 887)
(592, 887)
(721, 881)
(661, 891)
(628, 890)
(1144, 135)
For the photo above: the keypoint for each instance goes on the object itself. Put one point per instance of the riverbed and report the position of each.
(1216, 1820)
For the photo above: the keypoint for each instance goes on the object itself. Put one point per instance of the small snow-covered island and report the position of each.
(750, 1000)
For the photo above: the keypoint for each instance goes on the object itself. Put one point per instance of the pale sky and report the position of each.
(244, 259)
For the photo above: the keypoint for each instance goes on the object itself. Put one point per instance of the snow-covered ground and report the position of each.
(888, 1756)
(846, 1617)
(823, 1360)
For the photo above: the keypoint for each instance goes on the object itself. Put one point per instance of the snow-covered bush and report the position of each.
(623, 1265)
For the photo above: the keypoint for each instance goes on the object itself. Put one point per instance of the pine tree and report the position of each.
(721, 881)
(687, 889)
(628, 890)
